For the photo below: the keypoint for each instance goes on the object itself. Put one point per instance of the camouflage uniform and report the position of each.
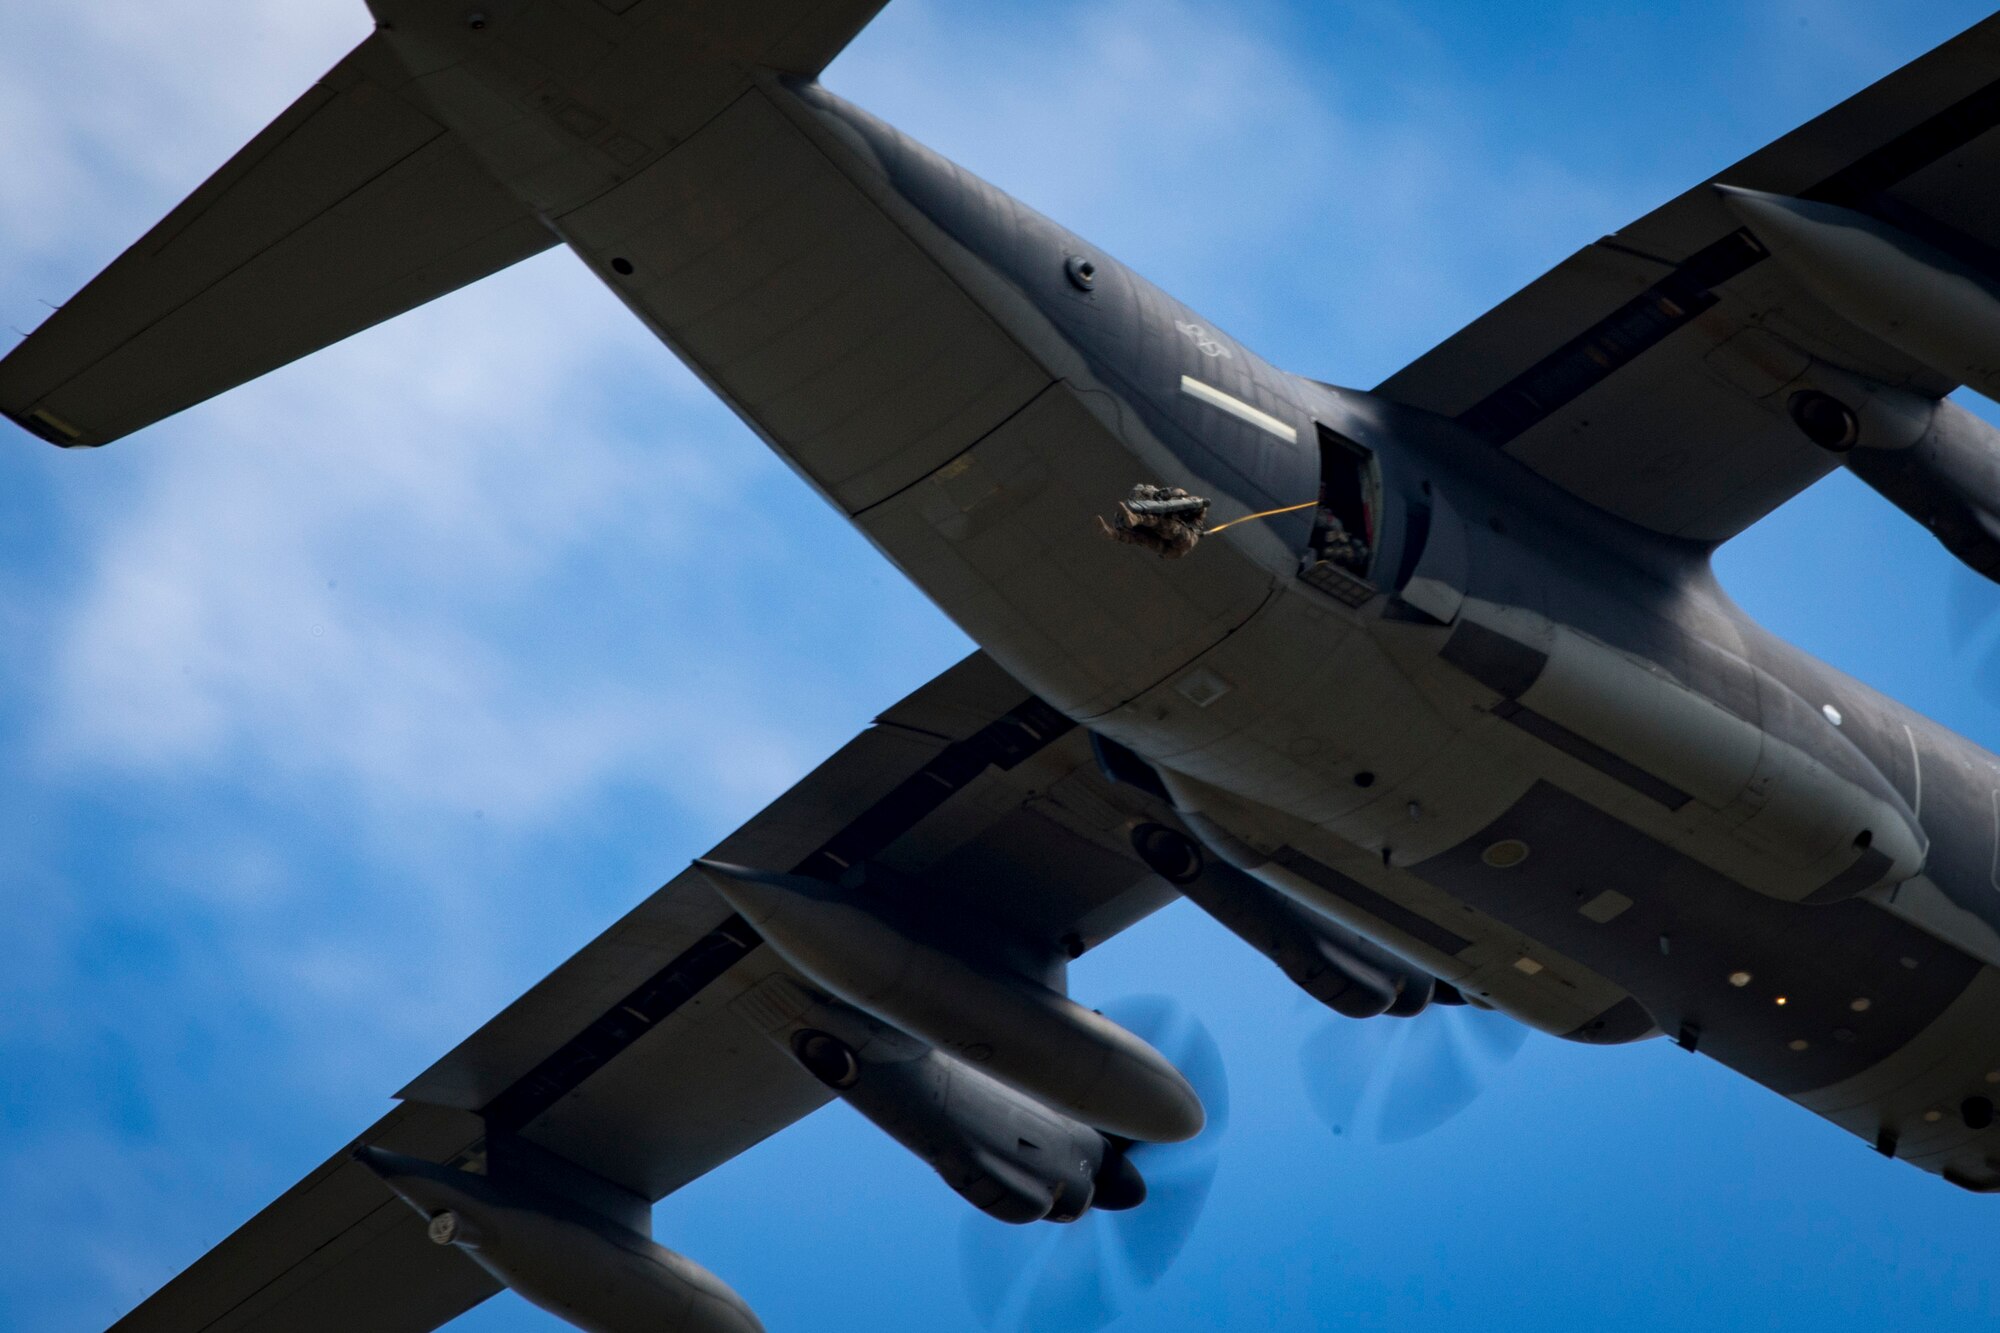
(1342, 547)
(1166, 520)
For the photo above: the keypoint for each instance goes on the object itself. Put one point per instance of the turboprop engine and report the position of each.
(1930, 458)
(1004, 1152)
(1928, 304)
(565, 1241)
(1935, 461)
(1947, 478)
(1342, 969)
(923, 979)
(1336, 966)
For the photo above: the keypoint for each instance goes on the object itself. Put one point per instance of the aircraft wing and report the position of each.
(354, 206)
(1649, 373)
(630, 1060)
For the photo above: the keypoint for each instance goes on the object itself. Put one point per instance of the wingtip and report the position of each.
(46, 426)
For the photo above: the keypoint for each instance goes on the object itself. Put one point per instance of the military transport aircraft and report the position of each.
(1426, 692)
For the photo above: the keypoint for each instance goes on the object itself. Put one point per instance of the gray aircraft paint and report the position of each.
(1531, 750)
(997, 532)
(565, 1241)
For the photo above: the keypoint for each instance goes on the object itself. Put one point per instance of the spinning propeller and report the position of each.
(1389, 1080)
(1973, 628)
(1072, 1278)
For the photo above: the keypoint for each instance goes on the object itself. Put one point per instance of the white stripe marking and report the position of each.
(1236, 407)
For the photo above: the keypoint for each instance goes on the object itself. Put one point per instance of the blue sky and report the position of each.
(335, 712)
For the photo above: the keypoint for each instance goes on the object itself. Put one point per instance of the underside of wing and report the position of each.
(335, 1253)
(645, 1061)
(1654, 372)
(970, 787)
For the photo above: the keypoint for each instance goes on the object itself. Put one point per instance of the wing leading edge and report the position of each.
(632, 1059)
(1649, 373)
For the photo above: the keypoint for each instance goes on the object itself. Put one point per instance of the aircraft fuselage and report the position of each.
(1528, 746)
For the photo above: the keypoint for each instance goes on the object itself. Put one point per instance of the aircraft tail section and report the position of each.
(382, 188)
(353, 206)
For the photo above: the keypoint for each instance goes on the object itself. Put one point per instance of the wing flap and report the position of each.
(703, 1086)
(1610, 374)
(1508, 340)
(667, 936)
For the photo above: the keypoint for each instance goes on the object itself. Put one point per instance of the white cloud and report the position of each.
(300, 578)
(503, 556)
(114, 109)
(320, 691)
(334, 576)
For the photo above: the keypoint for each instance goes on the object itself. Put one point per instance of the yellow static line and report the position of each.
(1288, 509)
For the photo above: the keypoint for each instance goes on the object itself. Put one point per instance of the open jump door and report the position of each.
(1345, 557)
(1340, 558)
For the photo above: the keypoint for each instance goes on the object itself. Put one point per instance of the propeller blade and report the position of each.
(1393, 1080)
(1073, 1292)
(1972, 629)
(1494, 1034)
(1971, 604)
(1078, 1277)
(1037, 1279)
(1152, 1236)
(1429, 1080)
(994, 1260)
(1337, 1062)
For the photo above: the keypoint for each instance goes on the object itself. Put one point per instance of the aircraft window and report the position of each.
(1349, 499)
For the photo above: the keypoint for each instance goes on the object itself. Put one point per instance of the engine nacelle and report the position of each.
(1934, 307)
(560, 1253)
(1005, 1153)
(1336, 966)
(1945, 475)
(883, 959)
